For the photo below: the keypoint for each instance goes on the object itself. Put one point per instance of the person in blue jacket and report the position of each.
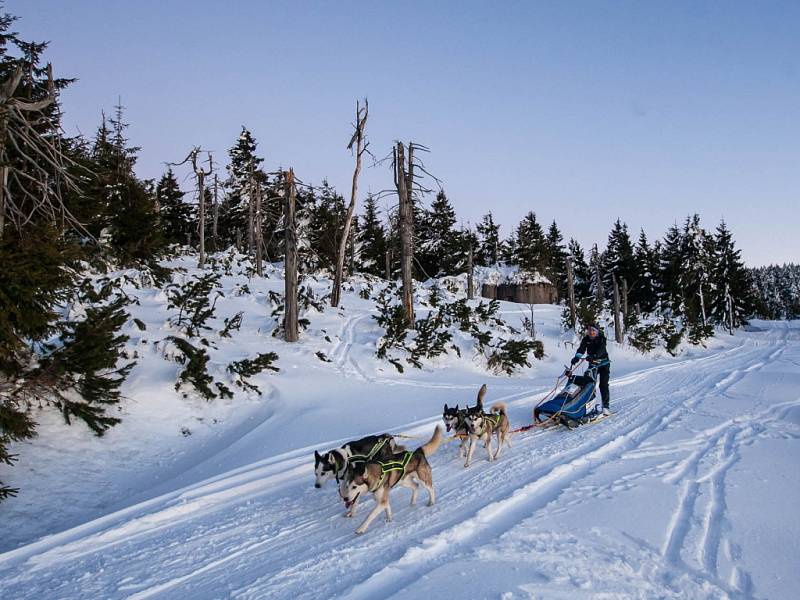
(593, 349)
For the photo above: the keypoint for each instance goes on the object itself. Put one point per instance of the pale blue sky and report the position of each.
(580, 111)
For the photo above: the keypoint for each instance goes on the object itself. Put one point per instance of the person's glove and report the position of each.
(573, 361)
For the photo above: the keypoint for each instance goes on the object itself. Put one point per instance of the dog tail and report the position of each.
(433, 445)
(499, 407)
(481, 394)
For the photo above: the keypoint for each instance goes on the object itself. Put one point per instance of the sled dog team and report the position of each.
(375, 464)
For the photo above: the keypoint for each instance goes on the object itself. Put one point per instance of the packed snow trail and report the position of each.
(652, 502)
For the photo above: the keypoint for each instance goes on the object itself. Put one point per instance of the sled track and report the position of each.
(263, 531)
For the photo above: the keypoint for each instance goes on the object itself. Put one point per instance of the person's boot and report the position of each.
(606, 411)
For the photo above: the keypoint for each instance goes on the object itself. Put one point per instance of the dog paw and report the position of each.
(360, 530)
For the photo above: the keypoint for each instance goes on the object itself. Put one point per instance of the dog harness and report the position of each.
(394, 465)
(358, 458)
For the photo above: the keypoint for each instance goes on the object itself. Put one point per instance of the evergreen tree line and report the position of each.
(777, 291)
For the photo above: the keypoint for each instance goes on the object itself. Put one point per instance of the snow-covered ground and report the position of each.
(689, 491)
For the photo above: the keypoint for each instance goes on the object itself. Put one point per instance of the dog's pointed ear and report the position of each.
(317, 456)
(445, 407)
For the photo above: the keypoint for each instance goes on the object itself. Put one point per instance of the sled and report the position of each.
(576, 404)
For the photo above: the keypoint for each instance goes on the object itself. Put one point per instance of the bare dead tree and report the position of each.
(624, 305)
(617, 326)
(259, 231)
(43, 165)
(358, 140)
(215, 216)
(403, 181)
(251, 238)
(470, 268)
(290, 319)
(573, 316)
(201, 175)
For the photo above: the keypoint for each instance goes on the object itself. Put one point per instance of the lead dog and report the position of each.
(481, 425)
(337, 463)
(409, 469)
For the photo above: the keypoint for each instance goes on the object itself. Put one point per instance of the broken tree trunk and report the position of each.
(470, 285)
(402, 180)
(250, 214)
(290, 324)
(617, 325)
(215, 216)
(259, 234)
(624, 306)
(573, 314)
(360, 146)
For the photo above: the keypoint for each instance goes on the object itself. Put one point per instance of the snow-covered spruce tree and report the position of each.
(326, 226)
(644, 292)
(531, 245)
(82, 365)
(235, 214)
(195, 302)
(44, 177)
(177, 217)
(618, 259)
(695, 281)
(136, 237)
(670, 264)
(582, 272)
(596, 286)
(556, 270)
(438, 241)
(488, 241)
(731, 295)
(777, 291)
(372, 239)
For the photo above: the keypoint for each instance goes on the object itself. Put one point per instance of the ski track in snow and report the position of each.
(263, 531)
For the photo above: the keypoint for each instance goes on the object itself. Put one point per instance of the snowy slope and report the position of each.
(690, 490)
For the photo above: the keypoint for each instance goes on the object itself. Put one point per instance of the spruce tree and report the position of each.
(488, 242)
(644, 292)
(670, 264)
(582, 271)
(177, 217)
(372, 239)
(136, 237)
(234, 217)
(732, 298)
(439, 242)
(531, 245)
(618, 259)
(556, 270)
(326, 227)
(695, 281)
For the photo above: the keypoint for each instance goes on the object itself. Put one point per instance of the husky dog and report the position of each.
(481, 425)
(338, 463)
(409, 469)
(455, 420)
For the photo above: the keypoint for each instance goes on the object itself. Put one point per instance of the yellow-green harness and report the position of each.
(358, 458)
(394, 465)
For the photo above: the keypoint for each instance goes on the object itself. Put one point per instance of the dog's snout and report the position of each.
(316, 485)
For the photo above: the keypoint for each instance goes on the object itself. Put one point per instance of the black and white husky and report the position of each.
(455, 420)
(338, 463)
(379, 476)
(481, 425)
